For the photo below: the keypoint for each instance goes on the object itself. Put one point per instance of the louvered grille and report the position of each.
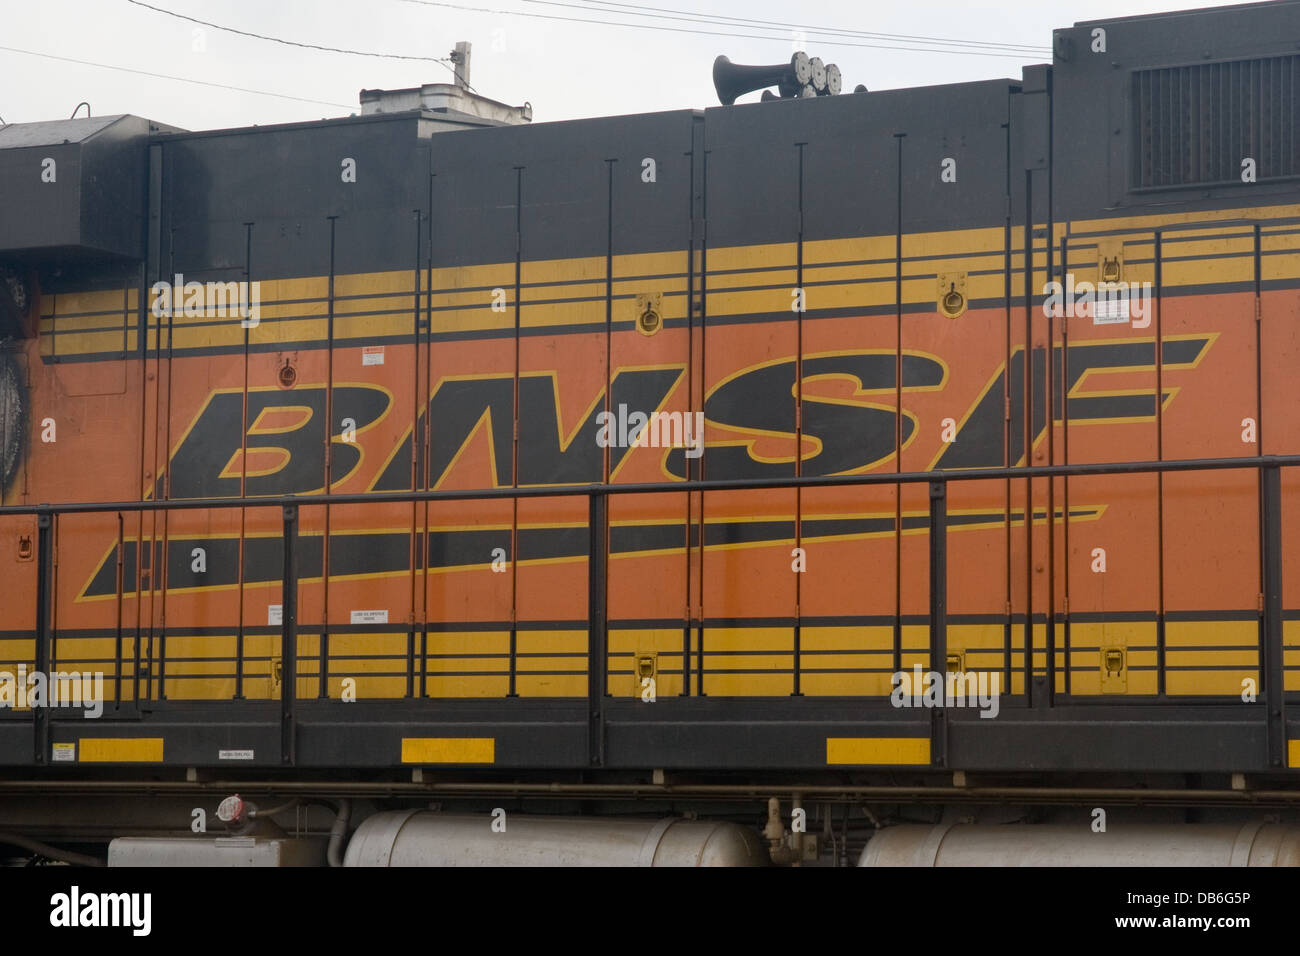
(1195, 124)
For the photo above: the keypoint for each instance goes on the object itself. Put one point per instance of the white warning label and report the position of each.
(1111, 310)
(370, 617)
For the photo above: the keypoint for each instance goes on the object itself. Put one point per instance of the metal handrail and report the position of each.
(1270, 509)
(660, 487)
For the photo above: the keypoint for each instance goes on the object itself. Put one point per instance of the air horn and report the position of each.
(803, 76)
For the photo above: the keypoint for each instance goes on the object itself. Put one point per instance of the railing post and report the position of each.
(44, 638)
(117, 639)
(597, 659)
(1274, 675)
(939, 617)
(289, 636)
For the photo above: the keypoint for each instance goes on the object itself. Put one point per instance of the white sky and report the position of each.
(565, 69)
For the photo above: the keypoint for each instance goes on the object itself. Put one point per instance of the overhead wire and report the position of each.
(966, 47)
(178, 79)
(444, 4)
(442, 61)
(633, 9)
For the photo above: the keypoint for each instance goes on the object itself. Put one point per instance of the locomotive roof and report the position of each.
(54, 132)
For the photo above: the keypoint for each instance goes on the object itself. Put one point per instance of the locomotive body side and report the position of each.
(851, 285)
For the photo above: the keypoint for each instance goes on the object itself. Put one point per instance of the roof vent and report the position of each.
(460, 105)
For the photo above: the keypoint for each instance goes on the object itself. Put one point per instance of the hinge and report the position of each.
(1006, 408)
(1257, 310)
(1008, 612)
(1260, 602)
(1065, 606)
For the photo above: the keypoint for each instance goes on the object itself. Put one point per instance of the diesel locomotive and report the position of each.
(909, 469)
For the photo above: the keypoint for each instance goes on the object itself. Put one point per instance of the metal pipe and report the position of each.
(774, 833)
(882, 794)
(53, 853)
(254, 812)
(597, 626)
(737, 484)
(334, 852)
(44, 633)
(939, 614)
(323, 648)
(1274, 673)
(289, 636)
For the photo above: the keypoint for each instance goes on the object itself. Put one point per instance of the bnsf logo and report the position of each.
(282, 449)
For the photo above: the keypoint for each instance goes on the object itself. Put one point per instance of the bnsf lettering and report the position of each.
(284, 454)
(460, 407)
(980, 444)
(852, 437)
(751, 422)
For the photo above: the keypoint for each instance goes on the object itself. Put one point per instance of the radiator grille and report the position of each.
(1195, 124)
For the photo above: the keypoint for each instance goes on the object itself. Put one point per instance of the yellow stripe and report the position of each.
(1293, 753)
(380, 304)
(121, 749)
(448, 750)
(877, 750)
